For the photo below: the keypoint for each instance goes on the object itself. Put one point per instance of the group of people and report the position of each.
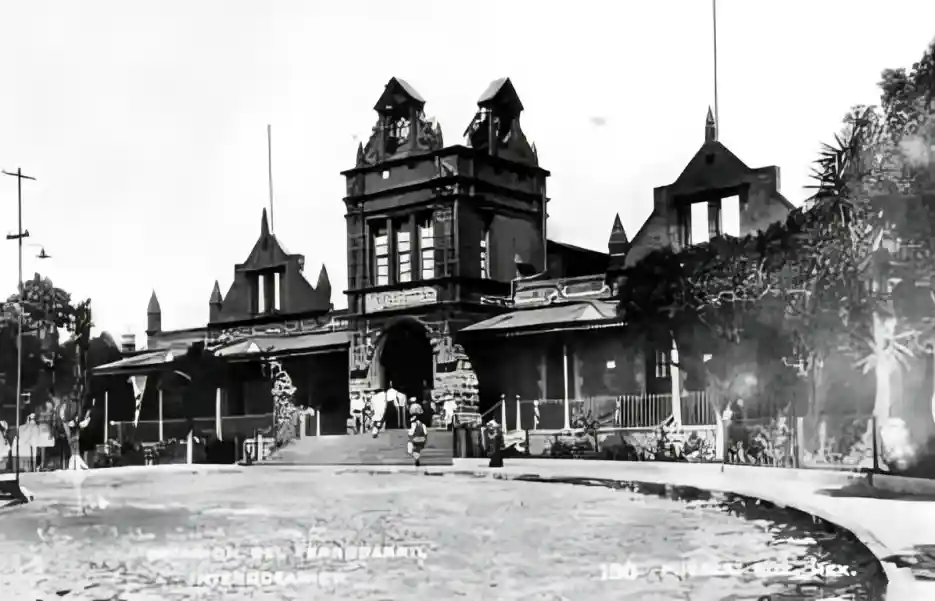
(373, 412)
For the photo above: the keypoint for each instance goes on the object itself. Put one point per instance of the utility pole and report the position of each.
(18, 236)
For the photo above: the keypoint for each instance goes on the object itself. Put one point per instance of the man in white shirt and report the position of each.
(379, 403)
(449, 407)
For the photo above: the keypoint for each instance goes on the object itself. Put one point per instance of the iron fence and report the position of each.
(621, 411)
(148, 431)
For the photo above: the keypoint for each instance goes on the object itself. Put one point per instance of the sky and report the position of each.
(144, 123)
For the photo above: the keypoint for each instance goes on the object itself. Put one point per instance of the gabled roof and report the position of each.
(267, 250)
(711, 165)
(501, 92)
(396, 93)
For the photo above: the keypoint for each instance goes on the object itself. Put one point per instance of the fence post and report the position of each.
(725, 441)
(875, 448)
(503, 410)
(160, 416)
(799, 440)
(519, 421)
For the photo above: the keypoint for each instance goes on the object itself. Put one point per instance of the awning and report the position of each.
(145, 362)
(565, 316)
(278, 346)
(238, 350)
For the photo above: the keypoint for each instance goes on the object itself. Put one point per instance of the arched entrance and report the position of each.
(403, 358)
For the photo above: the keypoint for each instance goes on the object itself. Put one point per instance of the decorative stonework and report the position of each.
(454, 375)
(285, 411)
(286, 327)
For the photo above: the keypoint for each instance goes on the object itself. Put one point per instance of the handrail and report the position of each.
(496, 406)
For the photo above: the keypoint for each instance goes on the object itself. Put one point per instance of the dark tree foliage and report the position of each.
(848, 272)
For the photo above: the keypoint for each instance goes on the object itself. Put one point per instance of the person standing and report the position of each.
(449, 408)
(418, 434)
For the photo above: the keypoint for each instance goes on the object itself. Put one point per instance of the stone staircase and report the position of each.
(389, 448)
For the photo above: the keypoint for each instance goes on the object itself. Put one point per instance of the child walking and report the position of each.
(418, 433)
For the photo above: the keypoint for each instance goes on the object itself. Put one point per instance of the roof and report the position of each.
(396, 92)
(501, 91)
(581, 315)
(303, 344)
(144, 362)
(285, 345)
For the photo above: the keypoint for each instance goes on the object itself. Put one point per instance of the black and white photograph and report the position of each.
(511, 301)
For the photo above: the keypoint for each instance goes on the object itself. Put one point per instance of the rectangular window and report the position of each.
(427, 248)
(730, 216)
(699, 223)
(662, 364)
(403, 254)
(381, 254)
(485, 254)
(276, 291)
(261, 293)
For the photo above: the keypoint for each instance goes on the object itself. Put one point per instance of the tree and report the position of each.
(46, 311)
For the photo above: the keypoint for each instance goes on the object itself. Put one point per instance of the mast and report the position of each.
(269, 149)
(717, 117)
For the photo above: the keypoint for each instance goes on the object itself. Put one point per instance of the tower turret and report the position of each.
(618, 244)
(710, 128)
(215, 303)
(496, 126)
(153, 316)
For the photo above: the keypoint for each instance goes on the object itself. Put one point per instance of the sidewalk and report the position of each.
(887, 526)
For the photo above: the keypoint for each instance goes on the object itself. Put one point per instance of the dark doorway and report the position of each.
(404, 360)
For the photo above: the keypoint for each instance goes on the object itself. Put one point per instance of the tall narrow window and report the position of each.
(381, 254)
(276, 291)
(403, 253)
(427, 247)
(261, 293)
(714, 219)
(485, 253)
(663, 364)
(699, 223)
(730, 215)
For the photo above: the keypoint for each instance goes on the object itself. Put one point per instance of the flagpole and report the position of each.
(269, 153)
(717, 119)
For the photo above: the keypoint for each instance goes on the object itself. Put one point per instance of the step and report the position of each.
(389, 448)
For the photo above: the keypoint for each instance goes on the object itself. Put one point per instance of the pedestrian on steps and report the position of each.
(418, 433)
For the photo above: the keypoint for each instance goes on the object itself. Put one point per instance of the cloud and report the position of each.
(598, 121)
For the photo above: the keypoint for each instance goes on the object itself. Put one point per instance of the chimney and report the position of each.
(128, 343)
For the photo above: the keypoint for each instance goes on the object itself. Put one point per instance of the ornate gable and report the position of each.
(270, 281)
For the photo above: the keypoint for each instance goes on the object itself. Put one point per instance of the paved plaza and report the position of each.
(183, 532)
